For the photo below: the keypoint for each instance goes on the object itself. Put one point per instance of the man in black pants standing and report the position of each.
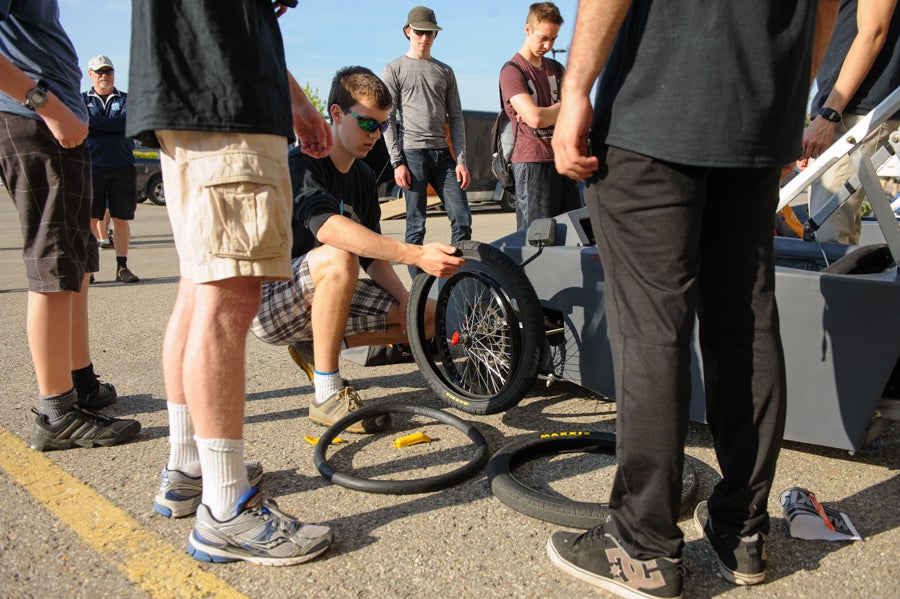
(699, 106)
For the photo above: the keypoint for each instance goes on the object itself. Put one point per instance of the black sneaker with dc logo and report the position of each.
(598, 558)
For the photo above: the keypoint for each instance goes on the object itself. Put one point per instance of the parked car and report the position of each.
(483, 186)
(148, 176)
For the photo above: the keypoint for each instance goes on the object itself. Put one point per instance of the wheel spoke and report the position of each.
(486, 350)
(483, 362)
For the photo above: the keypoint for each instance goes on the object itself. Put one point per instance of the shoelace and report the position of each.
(271, 513)
(350, 395)
(589, 537)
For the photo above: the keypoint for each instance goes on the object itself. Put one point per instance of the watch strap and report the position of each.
(830, 114)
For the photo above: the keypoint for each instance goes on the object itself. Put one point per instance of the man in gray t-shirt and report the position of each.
(418, 145)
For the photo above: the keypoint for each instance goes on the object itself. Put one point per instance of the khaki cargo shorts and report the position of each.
(228, 197)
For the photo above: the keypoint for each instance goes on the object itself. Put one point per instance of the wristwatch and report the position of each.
(830, 114)
(36, 96)
(397, 163)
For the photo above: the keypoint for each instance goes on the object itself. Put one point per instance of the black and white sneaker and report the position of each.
(742, 560)
(598, 558)
(81, 428)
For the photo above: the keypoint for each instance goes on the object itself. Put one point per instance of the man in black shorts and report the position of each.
(336, 230)
(112, 162)
(44, 164)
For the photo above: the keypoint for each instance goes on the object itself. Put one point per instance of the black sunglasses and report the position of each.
(104, 72)
(421, 33)
(369, 125)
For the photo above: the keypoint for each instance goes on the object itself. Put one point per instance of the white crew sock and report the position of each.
(224, 475)
(326, 384)
(183, 453)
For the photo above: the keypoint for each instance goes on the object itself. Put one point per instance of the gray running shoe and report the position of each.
(104, 395)
(180, 494)
(344, 401)
(260, 533)
(81, 428)
(598, 558)
(742, 560)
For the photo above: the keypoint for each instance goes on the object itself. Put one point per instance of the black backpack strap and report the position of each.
(509, 63)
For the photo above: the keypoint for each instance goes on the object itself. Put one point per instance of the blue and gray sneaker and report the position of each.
(180, 494)
(260, 533)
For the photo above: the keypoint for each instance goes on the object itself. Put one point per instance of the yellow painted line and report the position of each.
(147, 559)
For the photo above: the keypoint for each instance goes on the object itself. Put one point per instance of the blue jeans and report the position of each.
(438, 168)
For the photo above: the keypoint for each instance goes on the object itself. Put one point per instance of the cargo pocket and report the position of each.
(242, 214)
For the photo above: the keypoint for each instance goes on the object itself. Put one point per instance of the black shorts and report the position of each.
(114, 188)
(58, 246)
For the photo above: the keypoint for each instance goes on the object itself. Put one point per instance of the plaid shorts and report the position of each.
(285, 314)
(51, 188)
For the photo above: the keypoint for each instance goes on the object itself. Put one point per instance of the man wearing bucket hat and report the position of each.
(425, 98)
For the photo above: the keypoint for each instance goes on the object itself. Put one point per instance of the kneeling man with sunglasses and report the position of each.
(336, 227)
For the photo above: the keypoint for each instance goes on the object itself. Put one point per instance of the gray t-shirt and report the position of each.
(32, 38)
(425, 96)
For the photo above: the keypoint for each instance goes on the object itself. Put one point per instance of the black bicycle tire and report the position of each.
(509, 280)
(400, 487)
(553, 508)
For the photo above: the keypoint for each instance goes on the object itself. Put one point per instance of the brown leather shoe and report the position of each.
(126, 276)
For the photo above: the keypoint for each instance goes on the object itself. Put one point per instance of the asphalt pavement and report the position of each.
(79, 523)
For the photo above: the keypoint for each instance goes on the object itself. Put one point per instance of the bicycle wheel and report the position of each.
(489, 332)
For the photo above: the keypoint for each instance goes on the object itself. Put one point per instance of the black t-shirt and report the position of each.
(883, 76)
(206, 65)
(721, 83)
(321, 191)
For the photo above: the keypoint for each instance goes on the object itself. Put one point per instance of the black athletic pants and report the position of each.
(676, 241)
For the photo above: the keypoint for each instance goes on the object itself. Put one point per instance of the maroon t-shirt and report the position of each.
(542, 84)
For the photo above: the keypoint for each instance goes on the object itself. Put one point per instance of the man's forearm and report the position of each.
(826, 15)
(873, 19)
(343, 233)
(596, 27)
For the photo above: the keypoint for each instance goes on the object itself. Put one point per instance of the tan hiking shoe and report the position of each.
(342, 403)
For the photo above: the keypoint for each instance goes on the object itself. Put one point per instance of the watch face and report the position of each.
(36, 98)
(829, 114)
